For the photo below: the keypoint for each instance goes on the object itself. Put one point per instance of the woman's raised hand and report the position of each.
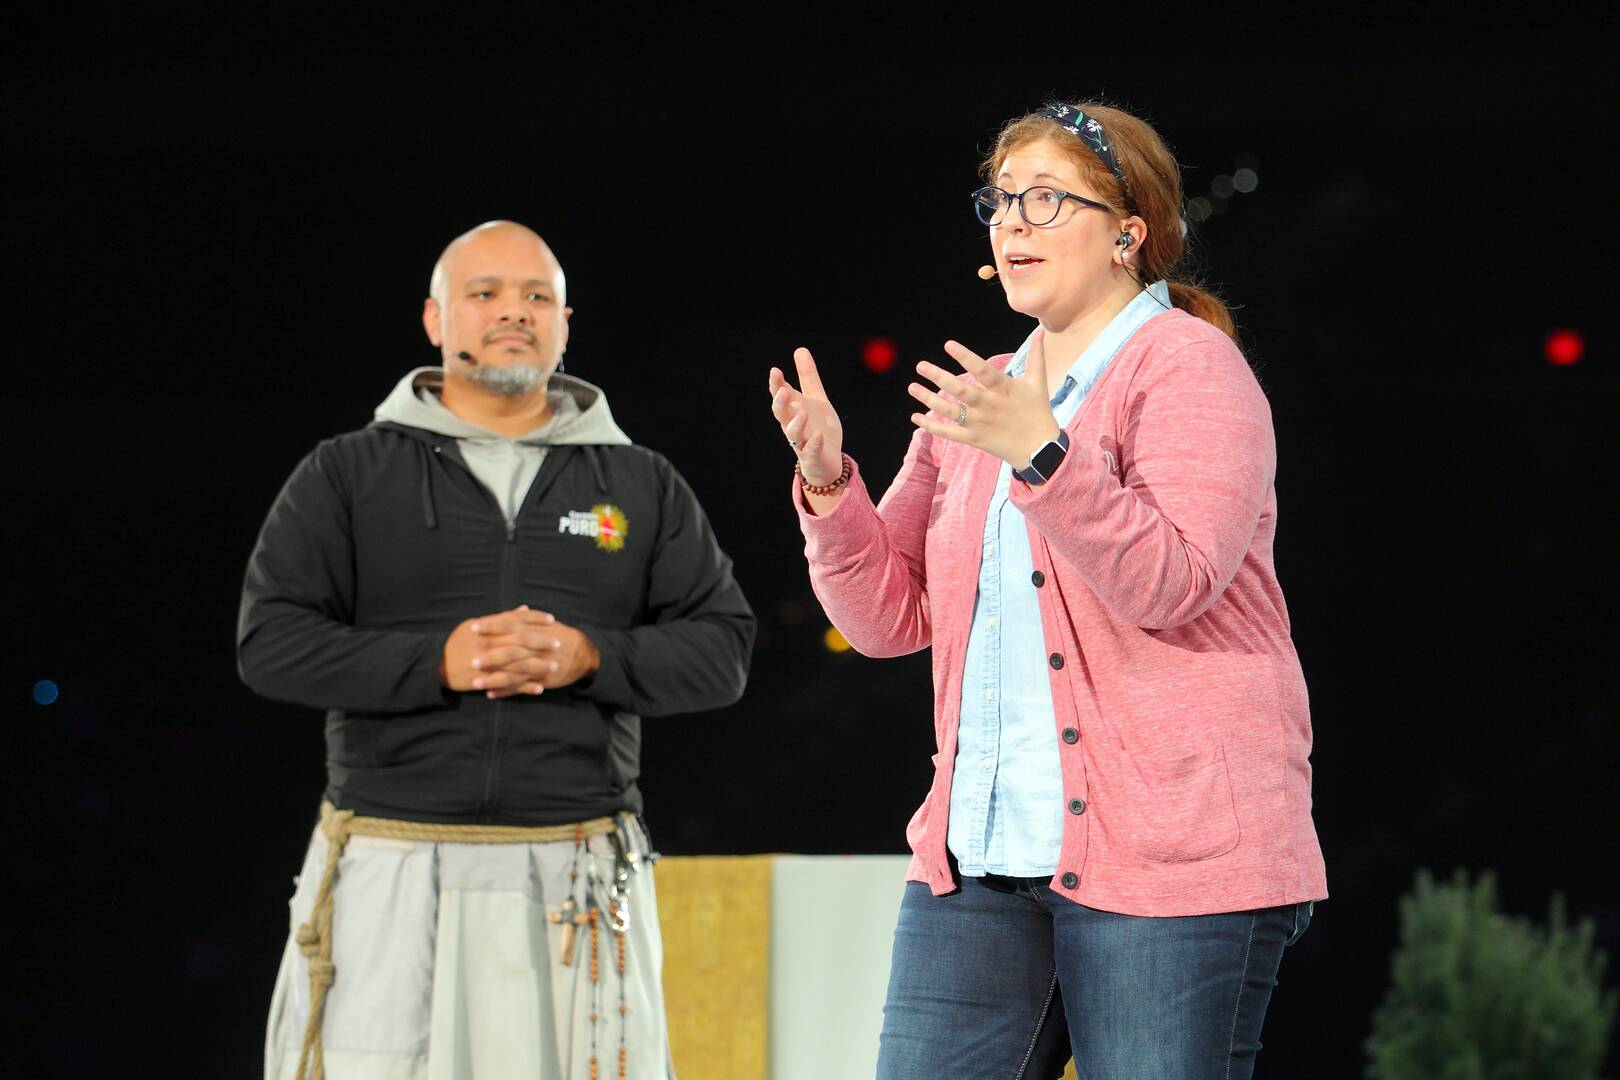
(808, 421)
(995, 412)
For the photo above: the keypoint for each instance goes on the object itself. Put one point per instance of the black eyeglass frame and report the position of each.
(1008, 198)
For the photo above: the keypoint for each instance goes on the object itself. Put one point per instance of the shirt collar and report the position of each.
(1094, 358)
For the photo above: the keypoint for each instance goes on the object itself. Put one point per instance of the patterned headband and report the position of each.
(1091, 132)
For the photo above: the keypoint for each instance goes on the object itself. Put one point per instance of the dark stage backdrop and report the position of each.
(220, 237)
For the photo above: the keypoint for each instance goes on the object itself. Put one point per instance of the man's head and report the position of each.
(498, 294)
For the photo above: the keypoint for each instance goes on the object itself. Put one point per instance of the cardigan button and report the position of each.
(1077, 806)
(1038, 578)
(1070, 880)
(1071, 735)
(1056, 660)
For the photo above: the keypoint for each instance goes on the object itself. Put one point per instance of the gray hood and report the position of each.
(580, 414)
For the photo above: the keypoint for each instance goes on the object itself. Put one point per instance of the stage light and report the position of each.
(835, 642)
(1245, 180)
(1565, 347)
(1222, 187)
(46, 692)
(1198, 209)
(878, 354)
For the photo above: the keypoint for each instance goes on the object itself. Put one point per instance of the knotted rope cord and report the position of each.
(315, 936)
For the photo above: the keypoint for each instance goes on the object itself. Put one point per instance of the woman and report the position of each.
(1118, 844)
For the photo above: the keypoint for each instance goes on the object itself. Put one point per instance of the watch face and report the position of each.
(1047, 459)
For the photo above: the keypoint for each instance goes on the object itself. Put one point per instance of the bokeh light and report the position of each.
(1565, 347)
(878, 354)
(46, 692)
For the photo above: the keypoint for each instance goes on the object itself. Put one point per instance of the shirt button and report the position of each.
(1071, 736)
(989, 695)
(990, 550)
(1070, 880)
(1038, 578)
(1077, 806)
(1056, 660)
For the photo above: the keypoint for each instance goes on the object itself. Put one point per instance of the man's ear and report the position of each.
(430, 321)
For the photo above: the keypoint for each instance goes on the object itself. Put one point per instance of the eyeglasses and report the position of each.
(1037, 205)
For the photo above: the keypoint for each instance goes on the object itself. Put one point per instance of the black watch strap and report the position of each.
(1044, 462)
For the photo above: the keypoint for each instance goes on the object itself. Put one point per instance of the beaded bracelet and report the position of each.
(823, 489)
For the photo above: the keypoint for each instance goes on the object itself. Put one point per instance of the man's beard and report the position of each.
(508, 380)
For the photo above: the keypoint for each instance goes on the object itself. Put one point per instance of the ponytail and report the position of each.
(1204, 305)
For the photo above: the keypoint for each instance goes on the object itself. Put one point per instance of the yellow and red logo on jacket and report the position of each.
(604, 521)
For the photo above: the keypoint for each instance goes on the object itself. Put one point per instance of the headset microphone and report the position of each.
(467, 357)
(986, 272)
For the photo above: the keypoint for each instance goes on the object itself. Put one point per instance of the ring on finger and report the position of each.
(961, 415)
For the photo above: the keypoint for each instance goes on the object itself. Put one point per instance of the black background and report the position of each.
(219, 229)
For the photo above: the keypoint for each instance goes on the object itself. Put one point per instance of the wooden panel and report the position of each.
(715, 913)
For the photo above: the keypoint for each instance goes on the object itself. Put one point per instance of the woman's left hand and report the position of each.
(999, 414)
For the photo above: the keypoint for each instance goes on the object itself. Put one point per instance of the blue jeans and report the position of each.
(1004, 978)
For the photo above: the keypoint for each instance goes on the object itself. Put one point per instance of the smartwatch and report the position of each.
(1044, 462)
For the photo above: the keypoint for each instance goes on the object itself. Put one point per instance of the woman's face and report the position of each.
(1053, 272)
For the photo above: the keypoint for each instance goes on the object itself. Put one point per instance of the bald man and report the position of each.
(485, 589)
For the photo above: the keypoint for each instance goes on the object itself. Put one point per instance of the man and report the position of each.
(485, 589)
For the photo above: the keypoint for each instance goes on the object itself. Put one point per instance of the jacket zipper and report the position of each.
(491, 798)
(486, 807)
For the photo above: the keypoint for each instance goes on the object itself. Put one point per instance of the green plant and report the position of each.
(1478, 995)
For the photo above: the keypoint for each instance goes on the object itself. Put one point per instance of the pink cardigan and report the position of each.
(1181, 712)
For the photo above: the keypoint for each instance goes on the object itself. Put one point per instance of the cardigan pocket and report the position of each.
(1181, 809)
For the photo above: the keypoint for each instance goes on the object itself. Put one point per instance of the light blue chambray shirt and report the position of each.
(1007, 793)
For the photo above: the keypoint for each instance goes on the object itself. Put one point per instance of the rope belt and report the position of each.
(315, 937)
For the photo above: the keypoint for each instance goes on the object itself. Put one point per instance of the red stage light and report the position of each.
(878, 354)
(1565, 347)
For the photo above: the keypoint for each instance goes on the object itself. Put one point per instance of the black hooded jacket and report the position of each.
(383, 541)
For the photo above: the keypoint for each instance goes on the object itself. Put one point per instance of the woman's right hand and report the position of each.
(808, 421)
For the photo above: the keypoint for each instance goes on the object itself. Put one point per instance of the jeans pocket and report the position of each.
(1302, 921)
